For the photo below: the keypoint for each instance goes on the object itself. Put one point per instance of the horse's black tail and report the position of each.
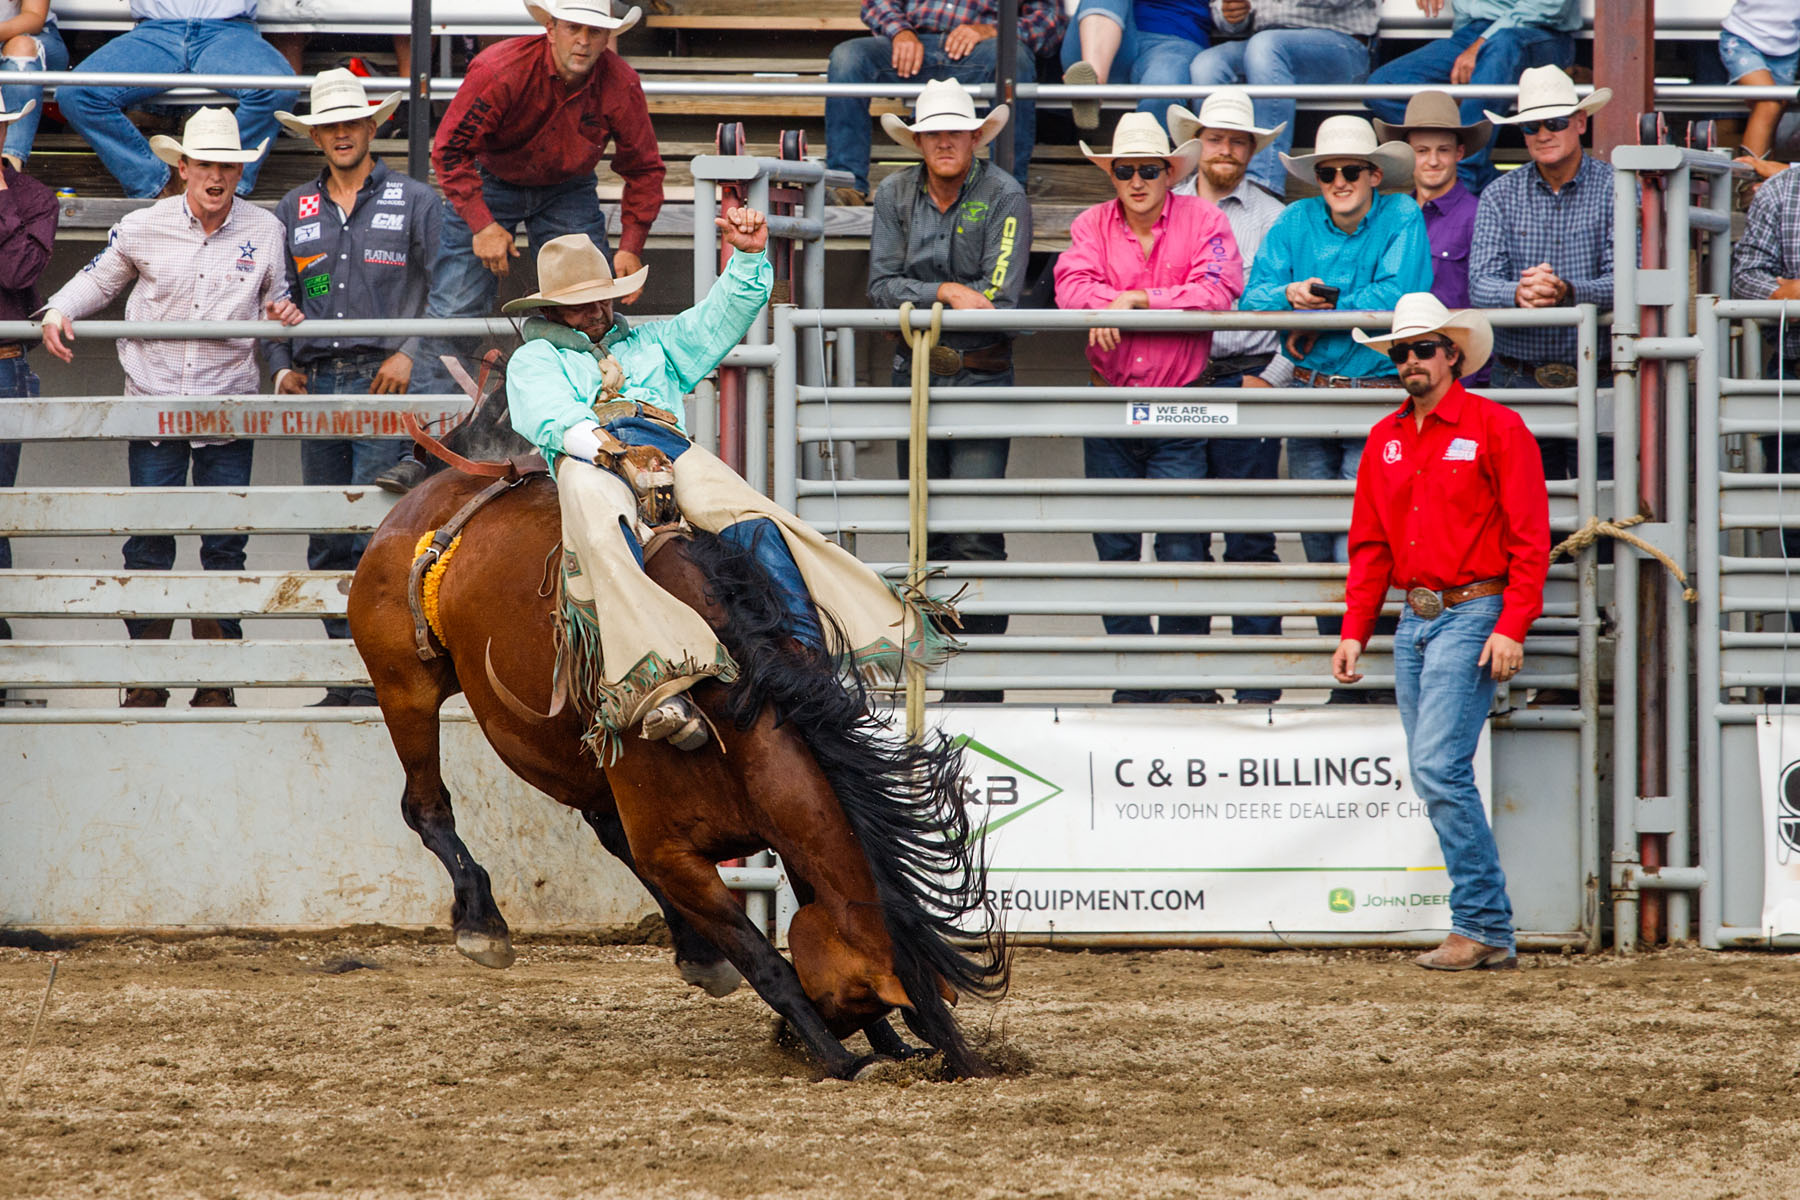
(902, 800)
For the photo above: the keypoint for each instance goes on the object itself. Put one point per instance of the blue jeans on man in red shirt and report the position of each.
(1444, 701)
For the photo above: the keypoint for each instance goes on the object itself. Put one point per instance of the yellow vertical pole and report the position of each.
(921, 342)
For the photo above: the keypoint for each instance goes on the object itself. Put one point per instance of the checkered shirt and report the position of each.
(182, 273)
(1522, 223)
(1040, 21)
(1769, 251)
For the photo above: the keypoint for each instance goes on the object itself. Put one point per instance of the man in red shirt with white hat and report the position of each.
(518, 146)
(1451, 507)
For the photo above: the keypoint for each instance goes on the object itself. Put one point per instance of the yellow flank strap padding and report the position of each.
(434, 579)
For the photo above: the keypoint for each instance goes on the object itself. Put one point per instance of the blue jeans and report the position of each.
(52, 55)
(16, 381)
(871, 60)
(1501, 60)
(341, 461)
(1280, 56)
(165, 464)
(1325, 458)
(173, 48)
(462, 287)
(1146, 58)
(1560, 456)
(1444, 699)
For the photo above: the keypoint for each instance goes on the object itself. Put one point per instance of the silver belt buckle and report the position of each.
(1425, 603)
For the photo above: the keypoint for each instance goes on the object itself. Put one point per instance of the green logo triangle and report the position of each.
(1025, 803)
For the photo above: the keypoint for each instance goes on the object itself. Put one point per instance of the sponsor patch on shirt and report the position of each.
(1391, 452)
(385, 258)
(1184, 413)
(309, 206)
(394, 221)
(1461, 450)
(300, 264)
(393, 193)
(247, 257)
(318, 285)
(306, 233)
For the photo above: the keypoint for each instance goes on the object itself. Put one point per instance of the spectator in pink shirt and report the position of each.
(1149, 249)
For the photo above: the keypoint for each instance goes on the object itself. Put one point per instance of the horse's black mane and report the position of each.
(903, 800)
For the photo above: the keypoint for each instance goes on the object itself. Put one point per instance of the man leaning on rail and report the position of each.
(1148, 249)
(1451, 507)
(954, 229)
(28, 213)
(518, 146)
(604, 403)
(1765, 265)
(361, 242)
(206, 255)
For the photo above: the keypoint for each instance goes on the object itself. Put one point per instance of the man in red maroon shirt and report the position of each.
(1450, 507)
(518, 147)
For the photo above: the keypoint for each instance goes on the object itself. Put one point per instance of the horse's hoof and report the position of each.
(486, 949)
(872, 1067)
(715, 979)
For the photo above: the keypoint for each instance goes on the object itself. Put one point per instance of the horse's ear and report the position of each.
(888, 987)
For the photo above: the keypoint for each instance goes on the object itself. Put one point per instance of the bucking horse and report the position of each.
(870, 828)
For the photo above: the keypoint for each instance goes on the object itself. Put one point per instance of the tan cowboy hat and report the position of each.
(596, 14)
(1353, 137)
(571, 270)
(946, 104)
(211, 135)
(1437, 112)
(1140, 135)
(1546, 92)
(591, 13)
(7, 118)
(1227, 108)
(1419, 313)
(337, 95)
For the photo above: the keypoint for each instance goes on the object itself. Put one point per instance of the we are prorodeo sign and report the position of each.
(1139, 819)
(1182, 415)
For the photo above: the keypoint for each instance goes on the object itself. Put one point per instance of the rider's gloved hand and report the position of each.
(583, 441)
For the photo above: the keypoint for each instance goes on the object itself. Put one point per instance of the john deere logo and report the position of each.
(1341, 900)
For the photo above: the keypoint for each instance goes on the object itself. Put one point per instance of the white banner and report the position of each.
(1778, 749)
(1139, 819)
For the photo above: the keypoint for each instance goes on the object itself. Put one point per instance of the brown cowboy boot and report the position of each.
(1459, 953)
(208, 629)
(149, 697)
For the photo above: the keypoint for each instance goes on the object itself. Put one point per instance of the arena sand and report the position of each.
(378, 1064)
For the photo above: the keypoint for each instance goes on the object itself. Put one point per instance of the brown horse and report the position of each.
(871, 831)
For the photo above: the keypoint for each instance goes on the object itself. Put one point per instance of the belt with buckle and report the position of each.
(1430, 605)
(612, 410)
(11, 350)
(948, 360)
(1546, 375)
(1235, 364)
(1315, 379)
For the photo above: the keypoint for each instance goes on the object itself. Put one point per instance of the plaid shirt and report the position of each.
(183, 273)
(1354, 17)
(1769, 251)
(1040, 21)
(1522, 223)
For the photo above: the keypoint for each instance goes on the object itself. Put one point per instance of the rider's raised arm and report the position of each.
(694, 342)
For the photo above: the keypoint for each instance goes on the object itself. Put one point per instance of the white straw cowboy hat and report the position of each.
(1140, 135)
(1353, 137)
(211, 135)
(1545, 93)
(337, 95)
(7, 118)
(1227, 108)
(945, 104)
(571, 270)
(1436, 112)
(1419, 313)
(595, 14)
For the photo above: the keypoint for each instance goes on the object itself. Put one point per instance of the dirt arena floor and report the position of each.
(378, 1064)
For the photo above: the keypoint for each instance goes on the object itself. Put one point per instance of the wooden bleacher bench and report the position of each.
(752, 16)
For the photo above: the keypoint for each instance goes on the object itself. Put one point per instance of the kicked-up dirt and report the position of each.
(377, 1064)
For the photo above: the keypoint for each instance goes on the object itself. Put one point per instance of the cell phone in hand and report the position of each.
(1325, 292)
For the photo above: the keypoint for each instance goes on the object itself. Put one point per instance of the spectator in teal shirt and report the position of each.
(1372, 249)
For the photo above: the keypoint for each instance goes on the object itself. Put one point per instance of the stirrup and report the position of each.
(677, 722)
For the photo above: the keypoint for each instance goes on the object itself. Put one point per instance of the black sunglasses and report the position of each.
(1352, 173)
(1124, 171)
(1424, 350)
(1554, 125)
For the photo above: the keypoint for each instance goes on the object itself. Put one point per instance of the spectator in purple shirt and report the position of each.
(27, 230)
(1439, 141)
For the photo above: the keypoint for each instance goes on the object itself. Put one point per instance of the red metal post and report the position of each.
(1625, 61)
